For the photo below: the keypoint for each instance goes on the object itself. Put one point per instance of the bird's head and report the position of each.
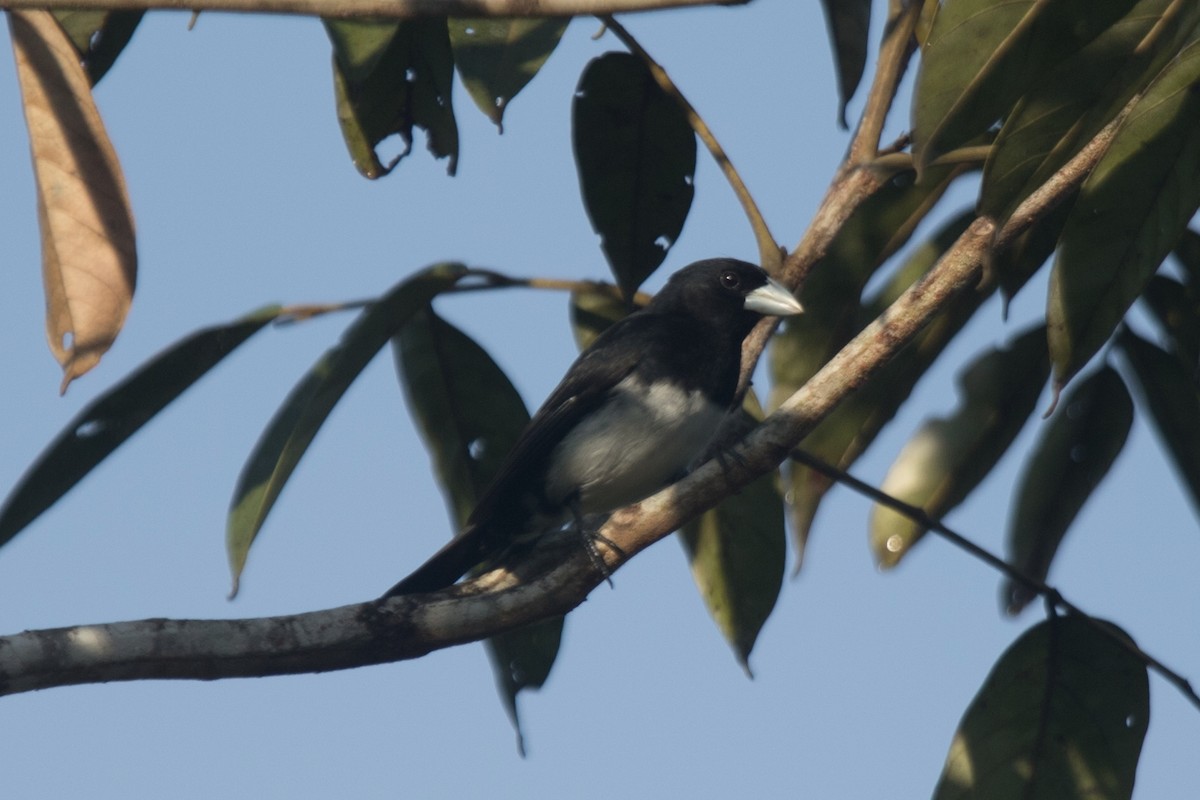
(726, 288)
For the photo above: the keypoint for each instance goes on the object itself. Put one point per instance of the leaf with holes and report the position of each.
(305, 409)
(1071, 457)
(98, 36)
(636, 155)
(470, 415)
(1131, 211)
(948, 457)
(496, 57)
(112, 418)
(1062, 716)
(390, 78)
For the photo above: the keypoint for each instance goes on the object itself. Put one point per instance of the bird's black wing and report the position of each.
(513, 493)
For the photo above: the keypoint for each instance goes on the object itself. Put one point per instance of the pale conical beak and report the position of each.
(773, 300)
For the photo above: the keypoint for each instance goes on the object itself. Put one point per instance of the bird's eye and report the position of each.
(730, 279)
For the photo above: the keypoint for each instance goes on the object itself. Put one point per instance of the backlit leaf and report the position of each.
(948, 457)
(1169, 388)
(849, 21)
(89, 256)
(1130, 212)
(981, 56)
(636, 155)
(289, 433)
(390, 78)
(497, 56)
(1073, 454)
(1062, 716)
(117, 414)
(470, 415)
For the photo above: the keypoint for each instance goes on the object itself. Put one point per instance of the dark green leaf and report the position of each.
(1067, 107)
(846, 433)
(98, 36)
(1013, 267)
(737, 552)
(1062, 716)
(636, 155)
(849, 22)
(389, 78)
(105, 423)
(1130, 212)
(289, 433)
(470, 416)
(496, 57)
(981, 56)
(592, 313)
(1169, 388)
(1177, 308)
(1187, 250)
(948, 457)
(1072, 456)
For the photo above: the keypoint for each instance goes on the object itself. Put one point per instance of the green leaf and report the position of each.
(470, 416)
(116, 415)
(1177, 308)
(1131, 211)
(1068, 106)
(1062, 716)
(849, 22)
(289, 433)
(948, 457)
(636, 155)
(847, 432)
(389, 78)
(592, 312)
(98, 36)
(981, 56)
(1187, 251)
(1169, 388)
(496, 57)
(737, 553)
(1072, 456)
(1013, 267)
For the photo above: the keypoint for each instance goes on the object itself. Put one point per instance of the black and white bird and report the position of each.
(631, 415)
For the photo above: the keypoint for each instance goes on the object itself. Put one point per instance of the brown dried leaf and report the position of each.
(89, 261)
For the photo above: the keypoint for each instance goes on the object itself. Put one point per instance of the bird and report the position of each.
(630, 415)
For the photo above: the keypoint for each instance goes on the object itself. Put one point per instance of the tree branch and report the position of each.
(388, 9)
(559, 575)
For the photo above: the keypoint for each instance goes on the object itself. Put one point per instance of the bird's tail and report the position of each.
(443, 568)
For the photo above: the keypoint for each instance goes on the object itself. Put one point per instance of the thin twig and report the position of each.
(894, 53)
(1054, 598)
(768, 248)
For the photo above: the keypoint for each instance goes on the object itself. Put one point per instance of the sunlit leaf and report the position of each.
(1169, 388)
(390, 78)
(497, 56)
(1067, 107)
(948, 457)
(289, 433)
(636, 155)
(1130, 212)
(737, 553)
(849, 21)
(1071, 457)
(981, 56)
(89, 256)
(117, 414)
(470, 415)
(99, 36)
(1062, 716)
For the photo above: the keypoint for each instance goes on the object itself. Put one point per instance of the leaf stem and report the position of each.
(768, 248)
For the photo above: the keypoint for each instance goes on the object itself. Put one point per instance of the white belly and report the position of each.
(633, 447)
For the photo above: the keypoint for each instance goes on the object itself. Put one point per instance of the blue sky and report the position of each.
(244, 195)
